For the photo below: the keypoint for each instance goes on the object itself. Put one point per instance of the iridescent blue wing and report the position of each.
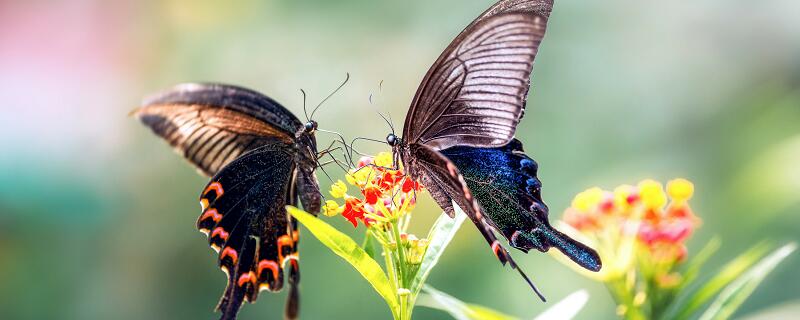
(447, 186)
(246, 222)
(504, 182)
(212, 124)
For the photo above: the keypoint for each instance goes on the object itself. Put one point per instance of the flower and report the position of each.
(338, 189)
(385, 193)
(331, 208)
(635, 225)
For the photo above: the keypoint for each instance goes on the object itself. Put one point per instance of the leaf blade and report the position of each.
(725, 276)
(343, 246)
(567, 308)
(459, 310)
(732, 297)
(442, 232)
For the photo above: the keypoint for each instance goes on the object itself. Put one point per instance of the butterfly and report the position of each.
(458, 136)
(261, 158)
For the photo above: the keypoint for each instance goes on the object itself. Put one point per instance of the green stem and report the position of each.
(624, 297)
(401, 255)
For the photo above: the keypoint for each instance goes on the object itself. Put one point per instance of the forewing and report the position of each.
(475, 93)
(541, 7)
(212, 124)
(245, 218)
(443, 180)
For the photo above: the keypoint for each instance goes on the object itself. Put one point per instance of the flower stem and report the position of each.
(401, 264)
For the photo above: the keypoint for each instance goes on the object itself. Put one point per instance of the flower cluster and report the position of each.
(659, 221)
(385, 193)
(642, 224)
(640, 233)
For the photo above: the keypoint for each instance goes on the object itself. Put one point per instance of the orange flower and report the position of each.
(386, 193)
(641, 223)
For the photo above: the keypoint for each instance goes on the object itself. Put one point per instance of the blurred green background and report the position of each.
(97, 214)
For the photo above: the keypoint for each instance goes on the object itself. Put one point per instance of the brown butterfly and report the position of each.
(458, 137)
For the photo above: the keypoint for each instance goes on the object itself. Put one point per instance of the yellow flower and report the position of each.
(338, 189)
(680, 189)
(383, 159)
(622, 196)
(652, 194)
(587, 200)
(331, 208)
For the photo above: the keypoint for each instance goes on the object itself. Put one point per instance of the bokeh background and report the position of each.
(97, 214)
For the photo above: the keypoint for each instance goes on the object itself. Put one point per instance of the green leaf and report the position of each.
(694, 266)
(567, 308)
(439, 237)
(369, 245)
(351, 252)
(738, 291)
(436, 299)
(787, 310)
(725, 276)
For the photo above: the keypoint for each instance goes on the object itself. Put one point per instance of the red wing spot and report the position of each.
(203, 204)
(217, 187)
(284, 241)
(296, 235)
(293, 259)
(268, 264)
(213, 214)
(246, 278)
(219, 231)
(229, 252)
(496, 248)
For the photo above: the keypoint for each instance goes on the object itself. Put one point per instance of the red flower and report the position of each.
(371, 194)
(353, 210)
(409, 184)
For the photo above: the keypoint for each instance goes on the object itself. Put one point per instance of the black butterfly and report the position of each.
(262, 158)
(458, 137)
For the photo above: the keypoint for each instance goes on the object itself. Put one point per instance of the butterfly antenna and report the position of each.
(385, 119)
(347, 78)
(305, 111)
(363, 138)
(391, 122)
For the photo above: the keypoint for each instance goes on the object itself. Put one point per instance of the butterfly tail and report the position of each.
(293, 299)
(578, 252)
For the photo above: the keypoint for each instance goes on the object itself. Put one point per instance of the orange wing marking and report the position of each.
(229, 252)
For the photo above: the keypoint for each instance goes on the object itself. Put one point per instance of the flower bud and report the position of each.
(338, 189)
(331, 208)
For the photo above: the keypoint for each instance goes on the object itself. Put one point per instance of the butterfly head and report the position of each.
(310, 126)
(392, 140)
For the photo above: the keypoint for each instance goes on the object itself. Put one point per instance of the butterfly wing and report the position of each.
(447, 186)
(212, 124)
(504, 182)
(246, 221)
(475, 93)
(541, 7)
